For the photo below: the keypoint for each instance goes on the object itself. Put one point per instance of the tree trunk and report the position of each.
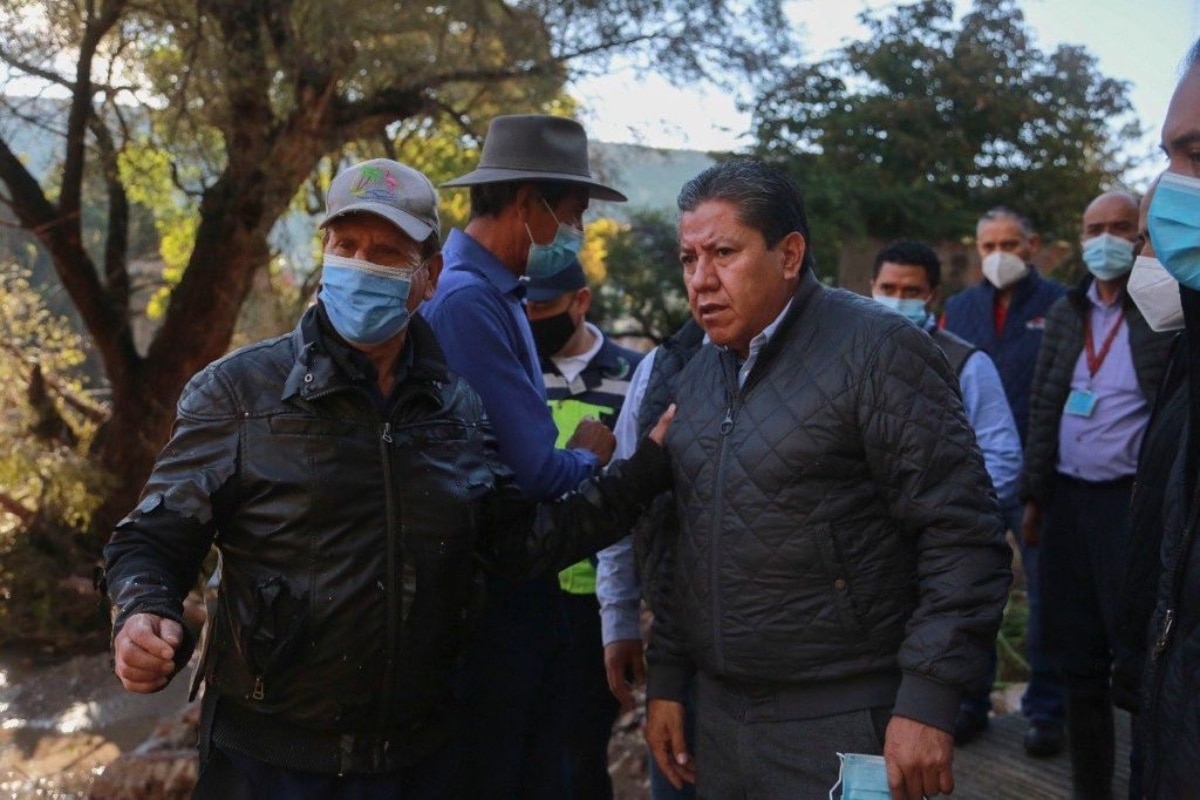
(125, 449)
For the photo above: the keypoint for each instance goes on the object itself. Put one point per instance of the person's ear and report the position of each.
(1035, 243)
(583, 300)
(433, 271)
(792, 247)
(528, 199)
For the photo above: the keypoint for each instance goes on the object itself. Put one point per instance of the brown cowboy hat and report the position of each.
(536, 147)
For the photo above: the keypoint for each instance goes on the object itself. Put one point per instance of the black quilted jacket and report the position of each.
(351, 545)
(837, 520)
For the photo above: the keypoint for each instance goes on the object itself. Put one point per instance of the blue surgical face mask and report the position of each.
(1174, 223)
(912, 308)
(549, 259)
(1108, 257)
(862, 777)
(366, 303)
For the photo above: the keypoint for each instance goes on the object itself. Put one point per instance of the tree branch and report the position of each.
(17, 509)
(90, 410)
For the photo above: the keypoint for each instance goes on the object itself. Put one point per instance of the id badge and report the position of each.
(1080, 403)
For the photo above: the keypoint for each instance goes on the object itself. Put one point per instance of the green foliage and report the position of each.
(929, 121)
(41, 466)
(48, 490)
(643, 292)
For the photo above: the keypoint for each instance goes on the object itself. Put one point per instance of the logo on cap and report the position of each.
(362, 186)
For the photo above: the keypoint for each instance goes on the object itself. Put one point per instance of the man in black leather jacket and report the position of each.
(351, 485)
(841, 567)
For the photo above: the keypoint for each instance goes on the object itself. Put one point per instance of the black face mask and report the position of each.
(551, 334)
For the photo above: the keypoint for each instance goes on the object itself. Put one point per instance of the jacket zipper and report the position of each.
(392, 634)
(726, 428)
(1163, 639)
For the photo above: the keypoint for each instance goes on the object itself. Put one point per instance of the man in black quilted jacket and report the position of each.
(841, 568)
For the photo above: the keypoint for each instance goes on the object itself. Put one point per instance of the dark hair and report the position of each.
(907, 253)
(489, 199)
(766, 199)
(1004, 212)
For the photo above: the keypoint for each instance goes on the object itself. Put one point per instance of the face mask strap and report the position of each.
(404, 273)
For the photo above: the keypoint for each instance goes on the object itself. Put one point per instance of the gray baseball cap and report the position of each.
(401, 195)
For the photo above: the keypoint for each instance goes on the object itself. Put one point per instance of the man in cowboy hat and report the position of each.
(528, 196)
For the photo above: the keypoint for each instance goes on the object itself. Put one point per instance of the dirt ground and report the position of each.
(66, 721)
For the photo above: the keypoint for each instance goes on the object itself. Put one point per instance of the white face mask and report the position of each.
(1156, 294)
(1004, 269)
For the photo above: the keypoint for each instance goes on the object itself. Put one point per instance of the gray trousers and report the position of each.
(742, 757)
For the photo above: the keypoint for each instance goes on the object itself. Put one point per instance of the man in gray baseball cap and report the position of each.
(528, 196)
(349, 481)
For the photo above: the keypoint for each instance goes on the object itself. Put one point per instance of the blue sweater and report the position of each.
(971, 315)
(479, 319)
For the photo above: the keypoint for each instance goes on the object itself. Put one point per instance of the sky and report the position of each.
(1139, 42)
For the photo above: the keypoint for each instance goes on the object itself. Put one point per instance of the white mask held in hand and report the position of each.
(1156, 294)
(1002, 269)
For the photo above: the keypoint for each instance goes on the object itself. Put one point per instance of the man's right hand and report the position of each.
(659, 434)
(664, 735)
(594, 435)
(144, 651)
(623, 658)
(1031, 523)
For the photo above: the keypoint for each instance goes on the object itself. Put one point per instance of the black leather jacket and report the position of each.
(351, 545)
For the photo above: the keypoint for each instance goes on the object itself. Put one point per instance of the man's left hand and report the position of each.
(919, 759)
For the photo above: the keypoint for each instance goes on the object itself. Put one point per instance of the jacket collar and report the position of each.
(323, 364)
(808, 291)
(462, 252)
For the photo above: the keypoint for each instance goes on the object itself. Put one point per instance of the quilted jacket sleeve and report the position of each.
(671, 662)
(1051, 384)
(923, 456)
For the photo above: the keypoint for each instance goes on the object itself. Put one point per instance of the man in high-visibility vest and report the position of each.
(586, 375)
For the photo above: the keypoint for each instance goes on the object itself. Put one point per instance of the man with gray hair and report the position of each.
(1004, 315)
(841, 569)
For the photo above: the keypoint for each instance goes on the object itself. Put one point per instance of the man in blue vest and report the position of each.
(586, 375)
(1004, 315)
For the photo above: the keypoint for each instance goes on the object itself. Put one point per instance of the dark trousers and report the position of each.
(591, 708)
(513, 691)
(232, 776)
(1085, 533)
(1044, 698)
(741, 756)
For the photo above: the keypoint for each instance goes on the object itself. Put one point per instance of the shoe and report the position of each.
(968, 726)
(1044, 738)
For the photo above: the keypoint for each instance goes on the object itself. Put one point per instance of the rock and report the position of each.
(163, 767)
